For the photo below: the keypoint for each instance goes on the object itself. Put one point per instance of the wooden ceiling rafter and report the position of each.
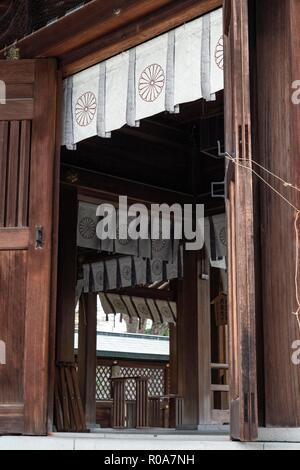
(88, 183)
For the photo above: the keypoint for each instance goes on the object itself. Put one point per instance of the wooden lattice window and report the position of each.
(103, 385)
(155, 375)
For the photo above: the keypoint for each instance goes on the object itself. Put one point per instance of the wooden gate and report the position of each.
(27, 157)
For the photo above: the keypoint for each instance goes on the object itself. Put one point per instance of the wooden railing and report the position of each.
(145, 411)
(121, 406)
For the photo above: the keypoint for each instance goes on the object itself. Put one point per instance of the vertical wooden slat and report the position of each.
(119, 403)
(78, 397)
(142, 402)
(72, 400)
(154, 413)
(23, 189)
(64, 394)
(4, 127)
(13, 173)
(58, 409)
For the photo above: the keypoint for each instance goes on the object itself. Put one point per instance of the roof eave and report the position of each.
(100, 29)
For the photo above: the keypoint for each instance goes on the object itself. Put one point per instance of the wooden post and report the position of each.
(173, 378)
(141, 402)
(193, 338)
(278, 149)
(67, 275)
(119, 406)
(204, 338)
(173, 372)
(87, 356)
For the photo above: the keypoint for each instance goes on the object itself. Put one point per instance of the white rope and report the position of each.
(286, 184)
(297, 313)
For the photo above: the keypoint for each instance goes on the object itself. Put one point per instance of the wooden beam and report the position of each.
(154, 131)
(84, 25)
(220, 388)
(97, 185)
(219, 366)
(100, 30)
(155, 23)
(147, 293)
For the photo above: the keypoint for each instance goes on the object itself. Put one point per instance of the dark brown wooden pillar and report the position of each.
(204, 340)
(193, 341)
(278, 149)
(119, 405)
(142, 418)
(67, 275)
(87, 356)
(173, 372)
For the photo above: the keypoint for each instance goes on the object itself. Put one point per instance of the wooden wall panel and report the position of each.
(278, 149)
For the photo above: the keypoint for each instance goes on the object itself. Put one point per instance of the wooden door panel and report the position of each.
(27, 150)
(15, 140)
(243, 387)
(12, 323)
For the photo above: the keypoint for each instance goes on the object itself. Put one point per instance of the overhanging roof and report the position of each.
(19, 18)
(102, 29)
(131, 346)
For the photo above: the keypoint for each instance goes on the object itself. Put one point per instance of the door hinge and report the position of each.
(39, 237)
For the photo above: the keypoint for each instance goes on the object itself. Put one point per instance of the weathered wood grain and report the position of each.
(27, 144)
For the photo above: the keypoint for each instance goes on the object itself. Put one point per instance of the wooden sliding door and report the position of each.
(27, 158)
(243, 383)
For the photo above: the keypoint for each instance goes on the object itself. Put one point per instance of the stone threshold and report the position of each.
(171, 441)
